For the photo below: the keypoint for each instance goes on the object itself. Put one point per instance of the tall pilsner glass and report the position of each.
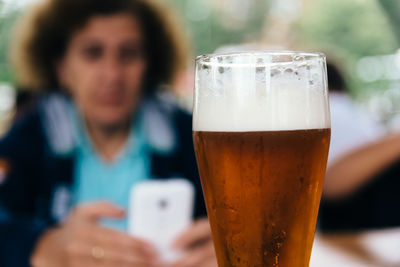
(261, 130)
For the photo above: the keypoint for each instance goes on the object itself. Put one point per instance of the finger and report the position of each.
(78, 255)
(198, 256)
(212, 262)
(124, 242)
(114, 257)
(113, 253)
(199, 232)
(96, 210)
(110, 259)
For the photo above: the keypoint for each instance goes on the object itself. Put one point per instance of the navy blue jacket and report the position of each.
(33, 167)
(373, 206)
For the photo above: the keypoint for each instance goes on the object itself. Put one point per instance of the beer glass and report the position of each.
(261, 129)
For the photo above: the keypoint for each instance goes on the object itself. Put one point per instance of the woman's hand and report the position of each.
(80, 241)
(197, 245)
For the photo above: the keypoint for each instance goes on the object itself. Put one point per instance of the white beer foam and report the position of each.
(250, 99)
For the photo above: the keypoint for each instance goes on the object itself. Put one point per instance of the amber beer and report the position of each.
(261, 131)
(262, 191)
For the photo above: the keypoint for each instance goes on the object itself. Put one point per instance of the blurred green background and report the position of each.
(361, 35)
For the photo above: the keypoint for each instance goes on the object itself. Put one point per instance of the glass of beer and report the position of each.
(261, 129)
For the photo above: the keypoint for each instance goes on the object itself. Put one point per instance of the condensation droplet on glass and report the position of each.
(288, 70)
(275, 72)
(298, 58)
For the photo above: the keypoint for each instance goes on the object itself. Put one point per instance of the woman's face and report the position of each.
(103, 68)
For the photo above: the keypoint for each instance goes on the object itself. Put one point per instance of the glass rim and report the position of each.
(307, 56)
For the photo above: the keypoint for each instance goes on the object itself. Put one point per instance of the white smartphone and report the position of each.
(159, 211)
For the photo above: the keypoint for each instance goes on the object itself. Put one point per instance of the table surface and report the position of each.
(379, 248)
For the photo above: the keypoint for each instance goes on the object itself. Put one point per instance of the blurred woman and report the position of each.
(101, 126)
(360, 190)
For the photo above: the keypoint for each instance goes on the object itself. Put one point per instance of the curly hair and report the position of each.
(42, 36)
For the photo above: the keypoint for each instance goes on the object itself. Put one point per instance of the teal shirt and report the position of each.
(97, 180)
